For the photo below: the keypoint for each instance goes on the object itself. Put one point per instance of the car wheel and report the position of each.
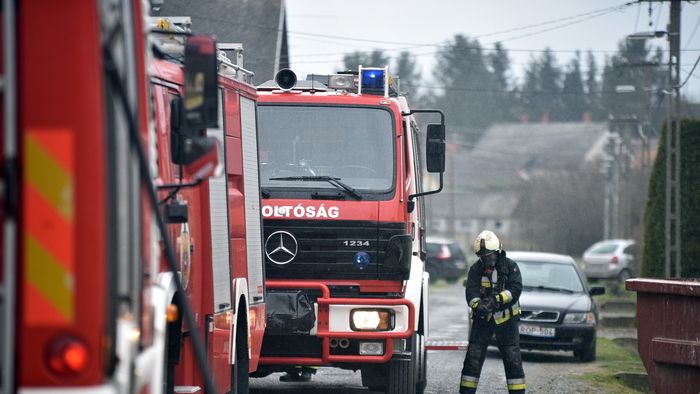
(451, 280)
(624, 275)
(587, 352)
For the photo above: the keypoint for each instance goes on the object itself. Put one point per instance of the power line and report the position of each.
(690, 73)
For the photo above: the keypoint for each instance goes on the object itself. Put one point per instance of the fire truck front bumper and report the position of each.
(347, 330)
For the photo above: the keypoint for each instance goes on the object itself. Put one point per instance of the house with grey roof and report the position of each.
(260, 25)
(485, 181)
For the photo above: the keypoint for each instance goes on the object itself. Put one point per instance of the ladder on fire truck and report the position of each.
(170, 32)
(8, 189)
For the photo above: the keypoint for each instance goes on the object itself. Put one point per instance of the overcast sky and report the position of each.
(321, 31)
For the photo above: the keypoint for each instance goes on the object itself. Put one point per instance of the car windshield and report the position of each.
(299, 145)
(605, 248)
(550, 276)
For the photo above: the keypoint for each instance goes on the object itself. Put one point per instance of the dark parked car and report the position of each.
(558, 312)
(445, 259)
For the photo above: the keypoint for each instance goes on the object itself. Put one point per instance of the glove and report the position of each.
(483, 308)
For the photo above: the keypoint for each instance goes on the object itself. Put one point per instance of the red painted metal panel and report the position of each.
(668, 332)
(61, 86)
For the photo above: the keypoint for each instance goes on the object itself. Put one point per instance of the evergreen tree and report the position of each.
(407, 70)
(541, 93)
(469, 92)
(633, 65)
(500, 68)
(549, 99)
(573, 99)
(593, 106)
(376, 58)
(528, 99)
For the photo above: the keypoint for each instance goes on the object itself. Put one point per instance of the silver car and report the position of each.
(611, 259)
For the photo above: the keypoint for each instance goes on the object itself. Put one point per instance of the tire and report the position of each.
(240, 377)
(624, 275)
(587, 353)
(421, 364)
(402, 373)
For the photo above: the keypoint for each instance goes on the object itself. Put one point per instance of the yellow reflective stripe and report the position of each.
(485, 284)
(474, 302)
(501, 316)
(48, 177)
(50, 278)
(506, 296)
(469, 381)
(512, 387)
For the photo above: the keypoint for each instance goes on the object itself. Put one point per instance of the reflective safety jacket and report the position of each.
(501, 286)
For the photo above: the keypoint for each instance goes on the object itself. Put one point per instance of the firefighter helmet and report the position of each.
(487, 242)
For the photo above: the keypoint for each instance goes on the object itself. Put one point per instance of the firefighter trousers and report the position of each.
(508, 341)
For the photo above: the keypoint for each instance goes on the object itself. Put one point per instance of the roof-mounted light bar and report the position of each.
(344, 82)
(374, 80)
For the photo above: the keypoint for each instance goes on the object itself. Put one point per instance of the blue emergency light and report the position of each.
(361, 260)
(373, 80)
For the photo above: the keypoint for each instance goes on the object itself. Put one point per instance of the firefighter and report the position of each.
(493, 289)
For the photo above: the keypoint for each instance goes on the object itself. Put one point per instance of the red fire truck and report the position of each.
(84, 295)
(344, 226)
(216, 223)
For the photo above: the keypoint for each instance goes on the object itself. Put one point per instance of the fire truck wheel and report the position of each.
(402, 377)
(240, 378)
(421, 364)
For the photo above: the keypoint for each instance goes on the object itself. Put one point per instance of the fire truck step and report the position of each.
(439, 344)
(187, 389)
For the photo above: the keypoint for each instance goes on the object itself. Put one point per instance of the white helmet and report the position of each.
(487, 242)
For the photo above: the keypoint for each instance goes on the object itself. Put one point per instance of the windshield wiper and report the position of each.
(333, 181)
(567, 291)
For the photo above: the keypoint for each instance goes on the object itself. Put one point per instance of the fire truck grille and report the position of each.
(303, 249)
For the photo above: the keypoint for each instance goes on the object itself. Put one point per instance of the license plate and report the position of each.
(536, 331)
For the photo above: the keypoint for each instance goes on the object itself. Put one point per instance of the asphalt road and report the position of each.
(545, 372)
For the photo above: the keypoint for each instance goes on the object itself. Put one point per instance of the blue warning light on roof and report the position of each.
(373, 79)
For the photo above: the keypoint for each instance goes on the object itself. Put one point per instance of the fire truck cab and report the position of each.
(344, 226)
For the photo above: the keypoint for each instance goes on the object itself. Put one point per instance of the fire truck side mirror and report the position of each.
(198, 153)
(203, 158)
(435, 148)
(201, 107)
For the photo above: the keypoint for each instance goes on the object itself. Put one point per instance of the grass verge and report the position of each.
(614, 360)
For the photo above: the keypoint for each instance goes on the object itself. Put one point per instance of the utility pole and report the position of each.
(611, 170)
(672, 226)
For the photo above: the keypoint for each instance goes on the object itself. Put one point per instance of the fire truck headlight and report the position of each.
(371, 319)
(361, 260)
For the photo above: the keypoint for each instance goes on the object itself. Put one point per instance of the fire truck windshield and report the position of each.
(351, 144)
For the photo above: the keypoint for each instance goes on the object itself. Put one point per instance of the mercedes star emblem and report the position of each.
(281, 247)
